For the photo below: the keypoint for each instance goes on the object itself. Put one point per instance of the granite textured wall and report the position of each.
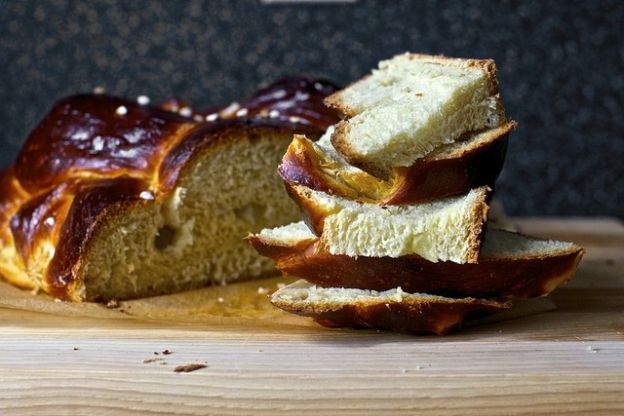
(561, 67)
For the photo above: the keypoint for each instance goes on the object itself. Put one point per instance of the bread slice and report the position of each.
(110, 199)
(510, 265)
(451, 169)
(393, 310)
(446, 229)
(411, 105)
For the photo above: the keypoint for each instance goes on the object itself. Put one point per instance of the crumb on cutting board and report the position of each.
(152, 360)
(187, 368)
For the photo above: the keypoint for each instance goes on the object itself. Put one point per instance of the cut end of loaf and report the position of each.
(194, 235)
(393, 309)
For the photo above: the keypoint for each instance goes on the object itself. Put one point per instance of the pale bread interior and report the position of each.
(497, 244)
(506, 244)
(304, 295)
(194, 236)
(410, 106)
(287, 235)
(444, 229)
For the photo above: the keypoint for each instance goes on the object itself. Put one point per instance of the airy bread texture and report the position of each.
(393, 309)
(192, 236)
(509, 265)
(448, 170)
(411, 105)
(448, 229)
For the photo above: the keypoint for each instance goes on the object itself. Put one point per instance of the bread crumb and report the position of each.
(262, 290)
(220, 299)
(152, 360)
(76, 348)
(166, 352)
(188, 368)
(121, 110)
(112, 304)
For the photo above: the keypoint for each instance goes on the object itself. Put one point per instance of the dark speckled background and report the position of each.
(561, 67)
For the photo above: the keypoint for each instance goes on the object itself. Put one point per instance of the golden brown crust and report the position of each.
(312, 214)
(411, 314)
(449, 170)
(476, 229)
(492, 277)
(11, 197)
(95, 157)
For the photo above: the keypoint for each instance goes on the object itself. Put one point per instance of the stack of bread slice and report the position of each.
(395, 201)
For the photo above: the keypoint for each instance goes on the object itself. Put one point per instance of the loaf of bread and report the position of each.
(510, 265)
(449, 170)
(411, 105)
(445, 229)
(392, 309)
(116, 199)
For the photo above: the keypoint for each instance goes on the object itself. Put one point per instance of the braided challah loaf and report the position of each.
(115, 199)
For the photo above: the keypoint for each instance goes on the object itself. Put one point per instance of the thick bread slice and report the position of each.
(411, 105)
(446, 229)
(393, 310)
(510, 265)
(110, 199)
(451, 169)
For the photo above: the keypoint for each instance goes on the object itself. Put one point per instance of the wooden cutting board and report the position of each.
(567, 361)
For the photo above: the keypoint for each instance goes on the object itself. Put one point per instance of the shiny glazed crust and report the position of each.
(95, 157)
(491, 277)
(450, 170)
(415, 313)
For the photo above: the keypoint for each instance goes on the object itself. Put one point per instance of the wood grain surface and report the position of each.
(567, 361)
